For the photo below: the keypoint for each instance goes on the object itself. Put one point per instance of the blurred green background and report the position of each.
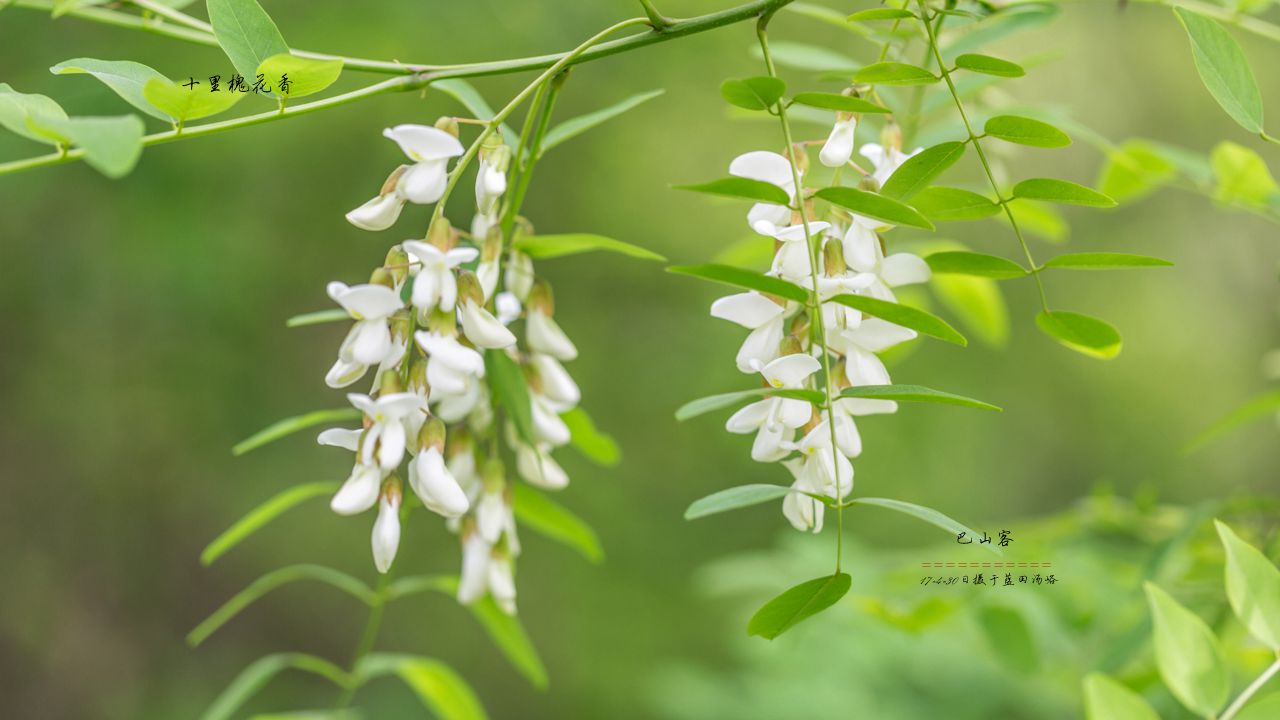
(144, 335)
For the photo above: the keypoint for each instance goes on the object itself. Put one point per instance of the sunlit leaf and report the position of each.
(125, 77)
(1061, 191)
(1224, 69)
(749, 279)
(535, 510)
(594, 445)
(988, 65)
(1040, 219)
(181, 104)
(540, 247)
(1106, 699)
(21, 112)
(977, 264)
(741, 188)
(734, 498)
(290, 425)
(909, 317)
(704, 405)
(920, 169)
(1104, 261)
(574, 127)
(1187, 654)
(112, 145)
(1253, 587)
(798, 604)
(1133, 170)
(977, 303)
(1026, 131)
(257, 518)
(874, 206)
(894, 73)
(246, 33)
(914, 393)
(305, 76)
(753, 93)
(946, 204)
(1084, 334)
(440, 690)
(1241, 176)
(260, 672)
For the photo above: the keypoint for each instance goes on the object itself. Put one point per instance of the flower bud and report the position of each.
(432, 435)
(469, 288)
(397, 263)
(448, 124)
(380, 276)
(441, 322)
(833, 259)
(541, 298)
(441, 234)
(790, 346)
(399, 323)
(869, 184)
(418, 377)
(389, 383)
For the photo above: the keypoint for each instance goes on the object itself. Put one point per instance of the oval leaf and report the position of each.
(1187, 654)
(797, 604)
(920, 169)
(301, 76)
(1081, 333)
(875, 206)
(988, 65)
(894, 73)
(539, 512)
(440, 690)
(914, 393)
(1104, 261)
(929, 515)
(260, 672)
(842, 103)
(976, 264)
(743, 188)
(749, 279)
(21, 113)
(574, 127)
(1106, 699)
(1026, 131)
(704, 405)
(753, 93)
(1061, 191)
(181, 104)
(1224, 69)
(290, 425)
(904, 315)
(112, 145)
(946, 204)
(1253, 587)
(246, 33)
(263, 514)
(540, 247)
(594, 445)
(1010, 637)
(125, 77)
(734, 498)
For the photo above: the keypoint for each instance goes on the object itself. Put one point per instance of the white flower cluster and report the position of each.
(423, 322)
(781, 346)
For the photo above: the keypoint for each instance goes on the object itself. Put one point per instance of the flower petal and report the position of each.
(790, 370)
(379, 213)
(436, 486)
(341, 438)
(748, 309)
(546, 337)
(423, 142)
(904, 269)
(483, 329)
(366, 302)
(424, 183)
(762, 165)
(358, 493)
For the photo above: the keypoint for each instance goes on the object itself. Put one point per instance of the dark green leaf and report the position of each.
(537, 511)
(1104, 261)
(904, 315)
(512, 393)
(946, 204)
(920, 169)
(290, 425)
(596, 446)
(977, 264)
(914, 393)
(875, 206)
(734, 498)
(894, 73)
(260, 672)
(988, 65)
(540, 247)
(263, 514)
(843, 103)
(707, 404)
(753, 93)
(749, 279)
(1061, 191)
(1081, 333)
(125, 77)
(929, 515)
(1026, 131)
(271, 581)
(1224, 69)
(797, 604)
(246, 33)
(742, 188)
(574, 127)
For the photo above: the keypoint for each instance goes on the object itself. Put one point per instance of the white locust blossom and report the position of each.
(436, 284)
(864, 254)
(369, 342)
(386, 529)
(430, 477)
(859, 346)
(792, 261)
(839, 146)
(763, 317)
(770, 167)
(452, 368)
(775, 419)
(486, 571)
(886, 161)
(821, 470)
(423, 182)
(388, 416)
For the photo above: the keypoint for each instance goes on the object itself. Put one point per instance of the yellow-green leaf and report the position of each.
(295, 77)
(181, 103)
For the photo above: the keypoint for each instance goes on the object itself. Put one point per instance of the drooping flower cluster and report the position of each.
(424, 323)
(786, 349)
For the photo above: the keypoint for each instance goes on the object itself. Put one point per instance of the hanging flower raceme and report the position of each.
(423, 182)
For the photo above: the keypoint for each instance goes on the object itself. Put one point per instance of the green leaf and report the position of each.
(1187, 654)
(946, 204)
(181, 104)
(1061, 191)
(977, 303)
(734, 498)
(797, 604)
(470, 98)
(929, 515)
(922, 322)
(260, 672)
(261, 515)
(594, 445)
(541, 247)
(440, 690)
(306, 76)
(880, 14)
(707, 404)
(914, 393)
(1224, 69)
(1260, 406)
(1133, 170)
(547, 517)
(246, 33)
(804, 56)
(506, 379)
(920, 169)
(112, 145)
(21, 112)
(1106, 699)
(988, 65)
(1010, 637)
(842, 103)
(742, 188)
(1081, 333)
(1265, 708)
(894, 73)
(290, 425)
(1253, 587)
(318, 317)
(753, 93)
(976, 264)
(1241, 175)
(125, 77)
(574, 127)
(1026, 131)
(749, 279)
(271, 581)
(1040, 219)
(875, 206)
(1104, 261)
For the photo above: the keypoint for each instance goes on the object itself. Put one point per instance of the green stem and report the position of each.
(534, 151)
(173, 14)
(1234, 708)
(367, 637)
(657, 20)
(982, 156)
(818, 323)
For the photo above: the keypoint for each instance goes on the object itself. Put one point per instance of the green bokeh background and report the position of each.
(143, 336)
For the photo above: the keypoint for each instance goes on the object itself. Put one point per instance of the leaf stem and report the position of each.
(815, 308)
(368, 636)
(1238, 704)
(975, 139)
(531, 154)
(657, 20)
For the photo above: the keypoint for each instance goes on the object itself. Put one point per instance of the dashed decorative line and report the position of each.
(1020, 564)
